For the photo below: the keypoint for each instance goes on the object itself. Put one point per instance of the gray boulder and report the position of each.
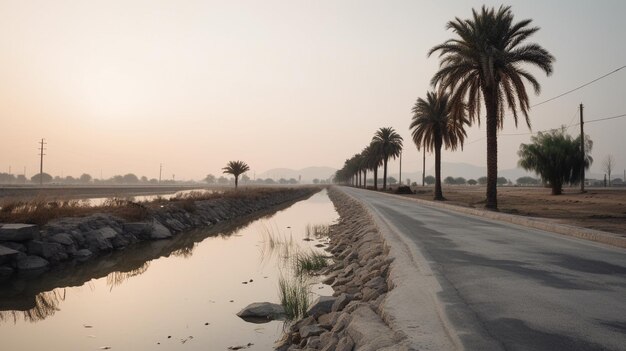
(261, 312)
(63, 239)
(139, 229)
(311, 330)
(95, 241)
(321, 305)
(32, 263)
(7, 254)
(18, 232)
(159, 231)
(82, 254)
(49, 251)
(108, 233)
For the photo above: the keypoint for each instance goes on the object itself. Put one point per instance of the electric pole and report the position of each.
(582, 152)
(41, 155)
(160, 170)
(424, 166)
(400, 180)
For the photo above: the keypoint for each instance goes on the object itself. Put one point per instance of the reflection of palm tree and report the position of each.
(46, 305)
(236, 168)
(389, 144)
(434, 126)
(483, 63)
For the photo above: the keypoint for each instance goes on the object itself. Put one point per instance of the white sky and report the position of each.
(121, 86)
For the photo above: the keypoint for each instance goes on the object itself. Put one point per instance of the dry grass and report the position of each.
(41, 210)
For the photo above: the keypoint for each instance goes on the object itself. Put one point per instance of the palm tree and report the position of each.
(388, 143)
(483, 63)
(433, 126)
(236, 168)
(374, 161)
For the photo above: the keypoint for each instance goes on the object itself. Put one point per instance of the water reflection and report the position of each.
(33, 299)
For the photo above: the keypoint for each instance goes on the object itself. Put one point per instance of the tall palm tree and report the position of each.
(484, 63)
(236, 168)
(388, 144)
(434, 125)
(374, 161)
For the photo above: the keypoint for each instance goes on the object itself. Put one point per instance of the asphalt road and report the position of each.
(508, 287)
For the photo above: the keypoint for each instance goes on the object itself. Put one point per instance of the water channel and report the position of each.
(179, 294)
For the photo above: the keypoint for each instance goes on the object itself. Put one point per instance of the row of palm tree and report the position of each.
(480, 65)
(385, 144)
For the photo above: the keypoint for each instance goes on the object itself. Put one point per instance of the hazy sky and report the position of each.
(121, 86)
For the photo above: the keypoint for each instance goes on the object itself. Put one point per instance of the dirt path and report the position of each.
(599, 209)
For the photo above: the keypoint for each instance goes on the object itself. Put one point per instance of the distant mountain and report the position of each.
(307, 174)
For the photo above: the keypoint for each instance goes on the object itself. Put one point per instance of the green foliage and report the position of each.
(472, 182)
(309, 262)
(556, 157)
(449, 180)
(482, 180)
(430, 180)
(294, 296)
(484, 63)
(236, 168)
(527, 181)
(502, 181)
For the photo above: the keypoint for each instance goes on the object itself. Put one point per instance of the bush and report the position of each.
(404, 190)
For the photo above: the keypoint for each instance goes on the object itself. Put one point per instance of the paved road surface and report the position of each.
(512, 288)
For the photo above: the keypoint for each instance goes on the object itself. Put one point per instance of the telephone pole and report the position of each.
(160, 170)
(424, 165)
(582, 152)
(41, 155)
(400, 180)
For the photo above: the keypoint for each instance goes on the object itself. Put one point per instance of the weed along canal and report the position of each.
(182, 293)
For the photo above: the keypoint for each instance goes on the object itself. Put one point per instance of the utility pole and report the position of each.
(400, 180)
(424, 166)
(41, 155)
(582, 152)
(160, 171)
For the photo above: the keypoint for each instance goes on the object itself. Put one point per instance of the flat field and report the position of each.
(599, 208)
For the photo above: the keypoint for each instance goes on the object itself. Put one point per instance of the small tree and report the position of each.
(556, 157)
(449, 180)
(502, 181)
(85, 178)
(210, 179)
(482, 180)
(472, 182)
(316, 181)
(236, 168)
(608, 165)
(430, 180)
(527, 181)
(41, 177)
(459, 180)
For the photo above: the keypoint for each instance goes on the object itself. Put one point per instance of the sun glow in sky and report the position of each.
(122, 86)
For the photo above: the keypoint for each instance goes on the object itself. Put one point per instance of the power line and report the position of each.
(605, 118)
(579, 87)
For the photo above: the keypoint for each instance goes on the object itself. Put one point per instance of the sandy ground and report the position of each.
(599, 208)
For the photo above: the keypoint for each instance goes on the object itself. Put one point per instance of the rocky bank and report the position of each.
(351, 319)
(31, 249)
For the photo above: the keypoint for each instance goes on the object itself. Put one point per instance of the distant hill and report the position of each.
(308, 173)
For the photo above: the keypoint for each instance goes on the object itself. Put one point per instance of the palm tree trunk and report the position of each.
(491, 103)
(376, 178)
(438, 192)
(385, 173)
(364, 178)
(236, 181)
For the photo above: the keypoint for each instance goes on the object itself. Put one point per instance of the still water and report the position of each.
(179, 294)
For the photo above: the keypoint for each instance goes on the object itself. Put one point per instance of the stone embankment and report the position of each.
(349, 320)
(31, 248)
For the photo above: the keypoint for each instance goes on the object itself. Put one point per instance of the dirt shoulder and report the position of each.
(599, 208)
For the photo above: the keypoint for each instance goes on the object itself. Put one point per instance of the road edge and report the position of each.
(530, 222)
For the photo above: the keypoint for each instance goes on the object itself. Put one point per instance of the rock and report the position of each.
(15, 246)
(32, 263)
(108, 233)
(49, 251)
(321, 305)
(7, 254)
(341, 302)
(345, 344)
(368, 330)
(261, 312)
(313, 343)
(63, 239)
(83, 253)
(139, 229)
(18, 232)
(95, 241)
(311, 330)
(327, 320)
(159, 231)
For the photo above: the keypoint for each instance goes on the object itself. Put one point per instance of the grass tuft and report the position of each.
(294, 296)
(309, 262)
